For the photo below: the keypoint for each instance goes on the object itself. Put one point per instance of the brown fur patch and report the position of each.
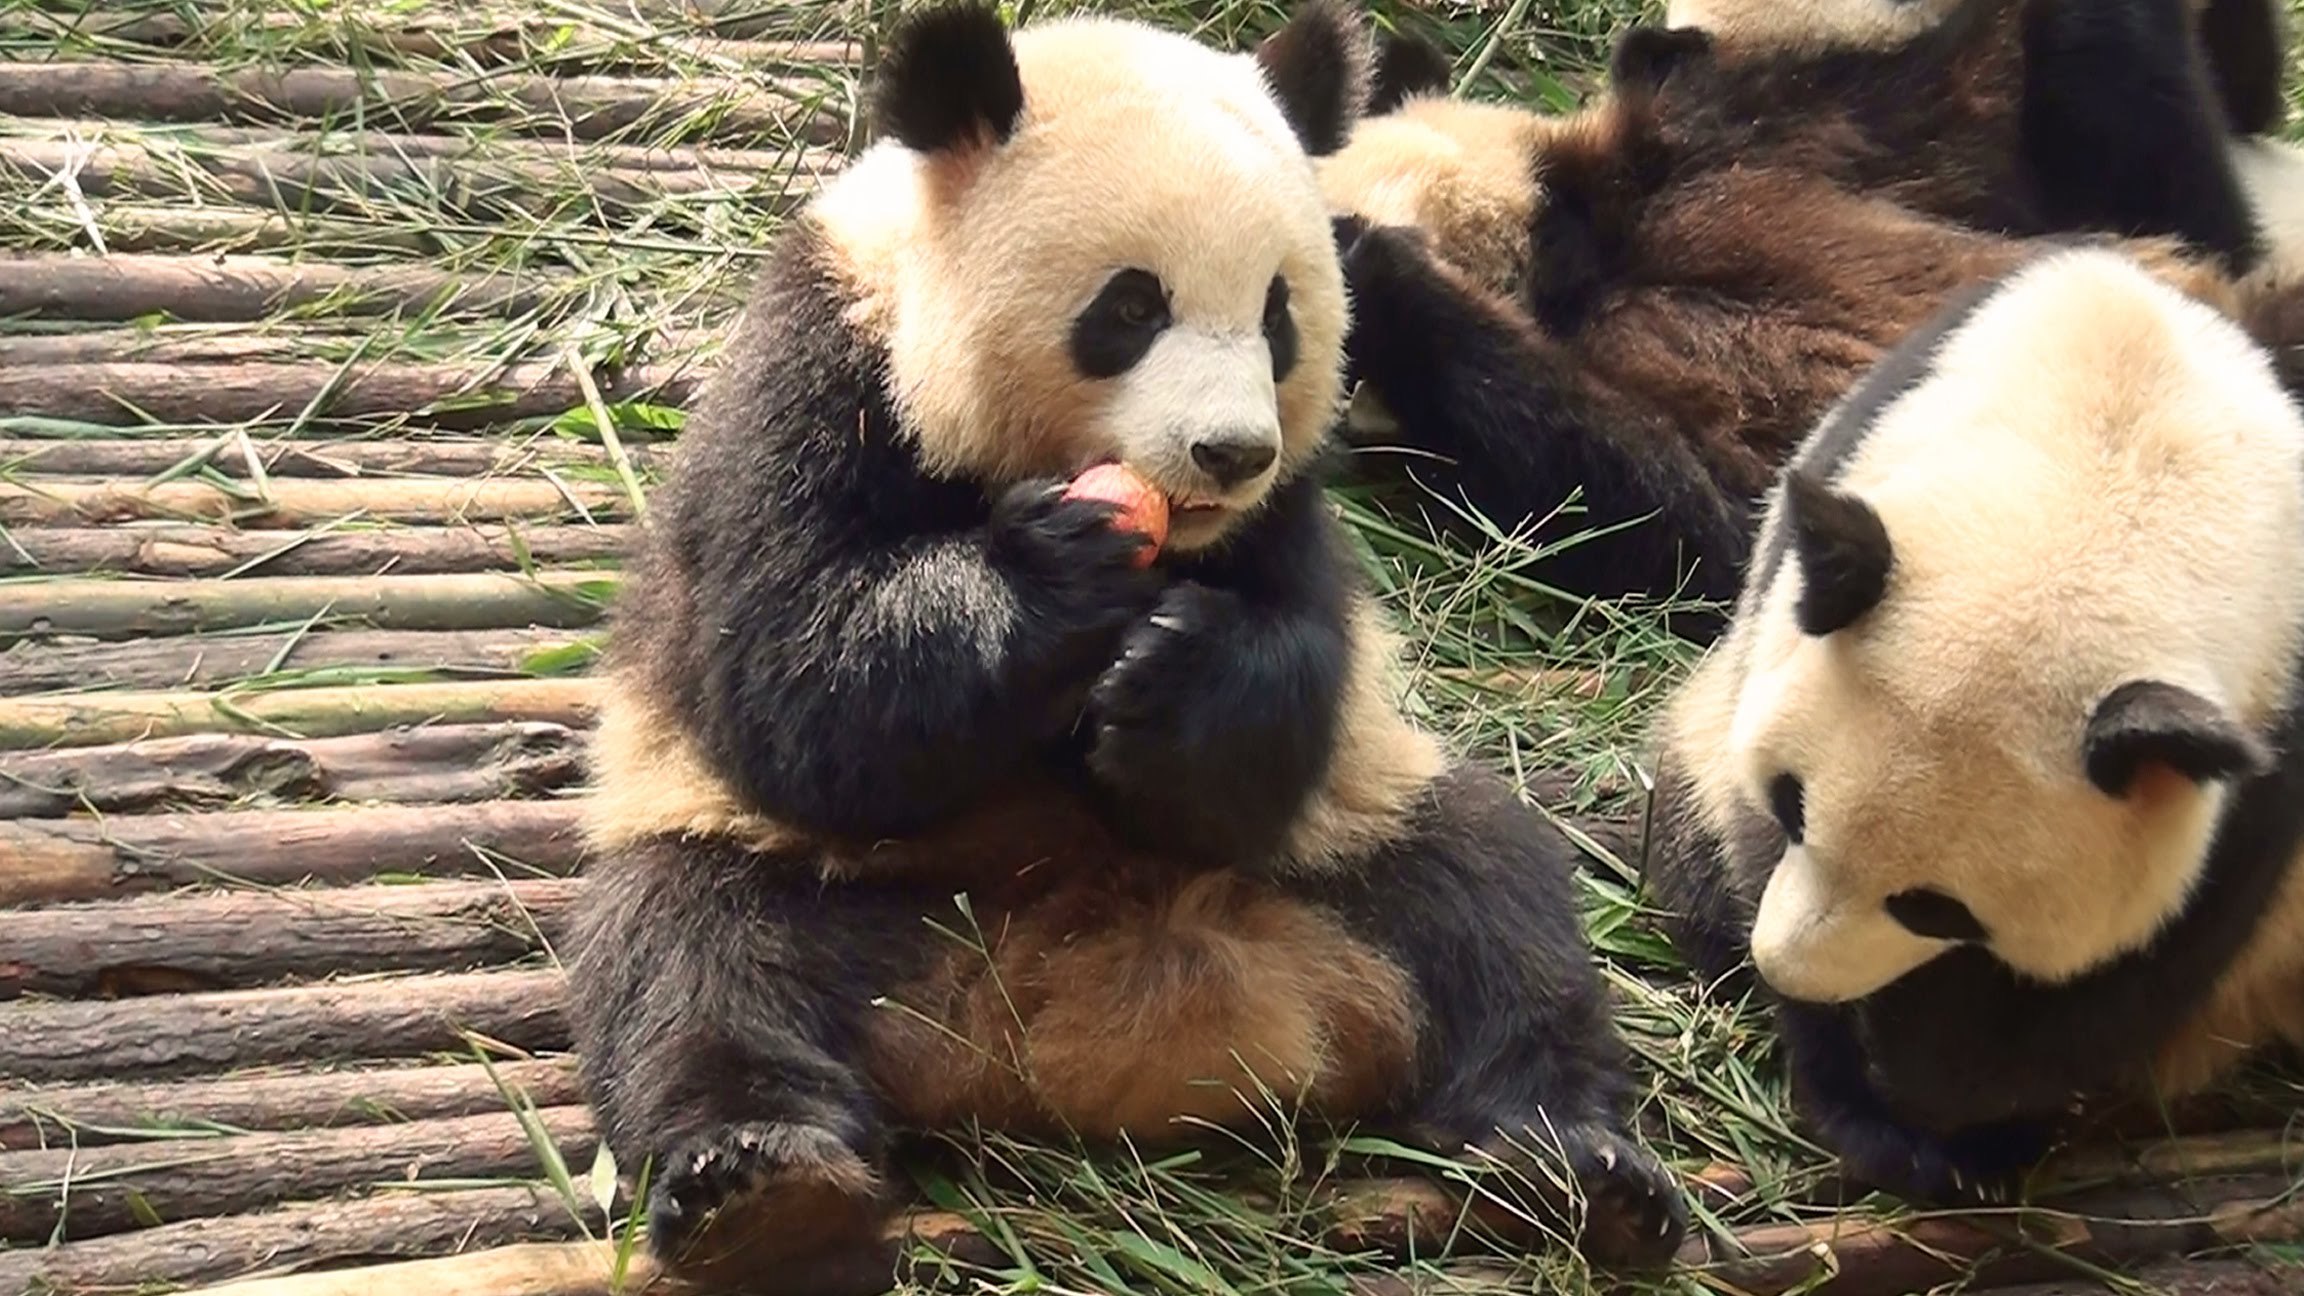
(1383, 761)
(2258, 1001)
(1112, 1004)
(650, 780)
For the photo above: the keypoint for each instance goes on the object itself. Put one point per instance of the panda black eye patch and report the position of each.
(1279, 328)
(1787, 802)
(1120, 326)
(1935, 915)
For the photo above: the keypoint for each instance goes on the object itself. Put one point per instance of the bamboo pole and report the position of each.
(242, 940)
(214, 661)
(90, 1115)
(88, 1192)
(303, 501)
(242, 288)
(131, 227)
(193, 550)
(432, 456)
(530, 1269)
(455, 396)
(188, 1034)
(384, 1225)
(137, 609)
(437, 763)
(92, 719)
(59, 860)
(584, 107)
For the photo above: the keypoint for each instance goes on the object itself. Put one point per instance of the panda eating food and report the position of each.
(1996, 775)
(1647, 302)
(873, 654)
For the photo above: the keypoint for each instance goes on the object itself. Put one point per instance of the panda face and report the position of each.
(1136, 265)
(2006, 654)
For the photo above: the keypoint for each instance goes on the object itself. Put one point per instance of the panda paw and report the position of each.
(790, 1188)
(1980, 1165)
(1070, 561)
(1624, 1209)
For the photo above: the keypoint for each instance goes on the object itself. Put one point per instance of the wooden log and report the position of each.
(304, 501)
(528, 1269)
(674, 160)
(179, 1035)
(384, 1225)
(61, 860)
(582, 107)
(432, 456)
(160, 664)
(433, 763)
(459, 396)
(501, 182)
(138, 609)
(240, 288)
(192, 550)
(88, 1192)
(94, 719)
(93, 1114)
(241, 940)
(129, 227)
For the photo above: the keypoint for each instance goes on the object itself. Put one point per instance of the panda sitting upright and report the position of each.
(872, 655)
(1996, 776)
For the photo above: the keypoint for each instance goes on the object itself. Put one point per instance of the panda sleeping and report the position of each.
(872, 654)
(1996, 774)
(1649, 301)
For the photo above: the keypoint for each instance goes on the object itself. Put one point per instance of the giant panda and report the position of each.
(1996, 777)
(1649, 300)
(872, 655)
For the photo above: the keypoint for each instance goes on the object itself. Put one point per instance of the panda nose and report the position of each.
(1234, 457)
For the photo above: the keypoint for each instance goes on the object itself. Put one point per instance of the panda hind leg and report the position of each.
(1518, 1061)
(712, 993)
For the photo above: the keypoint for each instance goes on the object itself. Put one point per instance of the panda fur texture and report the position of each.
(1649, 301)
(1996, 775)
(869, 657)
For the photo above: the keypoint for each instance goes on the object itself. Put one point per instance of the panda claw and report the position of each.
(1167, 621)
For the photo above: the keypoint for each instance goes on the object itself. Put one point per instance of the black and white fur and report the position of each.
(869, 657)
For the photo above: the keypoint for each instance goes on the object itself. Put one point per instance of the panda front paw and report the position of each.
(769, 1189)
(1081, 574)
(1622, 1207)
(1980, 1165)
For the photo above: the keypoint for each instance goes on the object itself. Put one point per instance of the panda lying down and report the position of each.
(1996, 774)
(872, 656)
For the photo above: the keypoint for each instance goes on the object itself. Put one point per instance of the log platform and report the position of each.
(336, 356)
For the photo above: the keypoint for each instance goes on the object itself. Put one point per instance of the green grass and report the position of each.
(653, 274)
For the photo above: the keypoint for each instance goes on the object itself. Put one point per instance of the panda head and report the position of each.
(2019, 611)
(1093, 240)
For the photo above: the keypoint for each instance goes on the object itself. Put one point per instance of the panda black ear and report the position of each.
(1320, 66)
(948, 78)
(1843, 551)
(1406, 66)
(2145, 723)
(1645, 56)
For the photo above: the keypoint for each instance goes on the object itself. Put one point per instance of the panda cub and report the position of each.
(871, 656)
(1650, 300)
(1996, 775)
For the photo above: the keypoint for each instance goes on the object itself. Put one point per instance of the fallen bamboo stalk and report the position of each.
(432, 456)
(583, 107)
(61, 860)
(244, 288)
(305, 501)
(454, 396)
(80, 1193)
(267, 341)
(384, 1225)
(242, 940)
(501, 181)
(93, 719)
(179, 1035)
(90, 1115)
(526, 1269)
(101, 608)
(130, 227)
(436, 763)
(193, 550)
(221, 660)
(683, 160)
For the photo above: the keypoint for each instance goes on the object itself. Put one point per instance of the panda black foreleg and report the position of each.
(1517, 1057)
(1219, 717)
(716, 997)
(1832, 1091)
(1473, 383)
